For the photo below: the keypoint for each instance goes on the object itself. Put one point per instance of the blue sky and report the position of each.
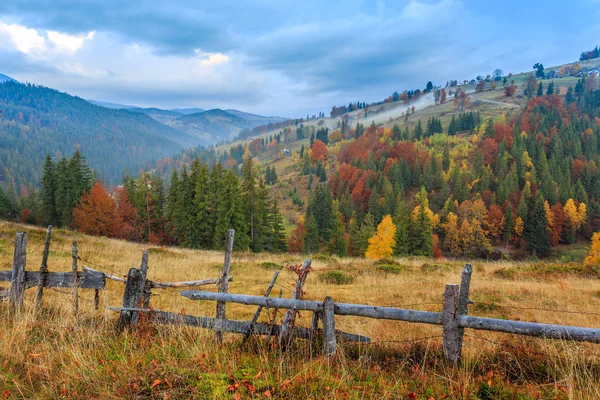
(282, 57)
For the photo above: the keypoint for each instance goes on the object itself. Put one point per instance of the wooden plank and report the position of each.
(224, 284)
(6, 275)
(43, 268)
(329, 345)
(100, 273)
(259, 310)
(17, 278)
(286, 336)
(86, 280)
(201, 282)
(75, 284)
(397, 314)
(130, 297)
(450, 326)
(548, 331)
(463, 299)
(231, 326)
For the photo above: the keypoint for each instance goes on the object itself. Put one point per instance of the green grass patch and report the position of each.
(269, 265)
(542, 269)
(336, 278)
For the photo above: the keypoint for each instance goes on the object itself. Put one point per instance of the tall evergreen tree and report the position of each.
(536, 233)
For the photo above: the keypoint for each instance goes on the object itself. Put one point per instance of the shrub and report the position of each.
(336, 278)
(390, 268)
(270, 265)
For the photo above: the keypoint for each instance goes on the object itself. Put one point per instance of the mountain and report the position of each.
(213, 126)
(38, 121)
(4, 78)
(256, 120)
(188, 110)
(163, 116)
(110, 105)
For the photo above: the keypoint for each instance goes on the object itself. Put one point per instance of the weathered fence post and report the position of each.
(43, 268)
(463, 299)
(96, 299)
(146, 284)
(75, 288)
(224, 284)
(259, 309)
(451, 332)
(131, 295)
(329, 344)
(285, 336)
(17, 278)
(272, 322)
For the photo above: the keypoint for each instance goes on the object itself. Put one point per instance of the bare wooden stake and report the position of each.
(285, 336)
(43, 268)
(146, 284)
(224, 283)
(450, 325)
(131, 295)
(329, 343)
(260, 308)
(75, 287)
(96, 299)
(272, 323)
(17, 278)
(463, 299)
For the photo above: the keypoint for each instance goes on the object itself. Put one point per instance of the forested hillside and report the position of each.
(38, 121)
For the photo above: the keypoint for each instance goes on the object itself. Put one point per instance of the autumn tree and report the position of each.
(95, 213)
(319, 151)
(382, 244)
(461, 100)
(593, 257)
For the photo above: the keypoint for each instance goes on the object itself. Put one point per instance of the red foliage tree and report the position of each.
(490, 151)
(503, 132)
(95, 213)
(319, 151)
(126, 216)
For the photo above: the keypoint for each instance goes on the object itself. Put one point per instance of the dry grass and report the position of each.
(51, 354)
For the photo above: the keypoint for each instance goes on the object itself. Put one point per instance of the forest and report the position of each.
(37, 120)
(513, 185)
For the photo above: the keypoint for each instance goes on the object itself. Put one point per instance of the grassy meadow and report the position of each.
(52, 355)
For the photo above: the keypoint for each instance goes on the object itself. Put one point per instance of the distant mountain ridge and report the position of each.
(5, 78)
(38, 121)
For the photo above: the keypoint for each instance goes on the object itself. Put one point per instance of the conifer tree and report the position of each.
(421, 230)
(402, 221)
(312, 243)
(337, 243)
(537, 236)
(48, 192)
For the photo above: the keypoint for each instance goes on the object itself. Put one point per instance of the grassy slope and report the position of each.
(50, 355)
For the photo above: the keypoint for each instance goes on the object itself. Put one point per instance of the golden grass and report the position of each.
(50, 354)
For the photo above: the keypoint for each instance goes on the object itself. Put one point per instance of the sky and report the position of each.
(280, 57)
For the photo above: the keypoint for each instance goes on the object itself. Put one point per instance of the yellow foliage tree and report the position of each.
(433, 217)
(593, 257)
(382, 244)
(452, 238)
(518, 227)
(576, 215)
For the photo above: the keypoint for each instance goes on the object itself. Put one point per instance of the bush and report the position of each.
(270, 265)
(390, 268)
(435, 267)
(336, 278)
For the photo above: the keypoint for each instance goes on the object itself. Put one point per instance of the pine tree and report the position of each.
(337, 243)
(536, 233)
(509, 225)
(402, 222)
(48, 192)
(230, 214)
(367, 230)
(540, 90)
(311, 238)
(421, 230)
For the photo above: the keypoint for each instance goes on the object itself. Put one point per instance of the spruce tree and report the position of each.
(337, 242)
(421, 230)
(48, 192)
(311, 237)
(536, 233)
(402, 222)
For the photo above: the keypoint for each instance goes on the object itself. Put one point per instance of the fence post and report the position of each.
(146, 285)
(130, 298)
(463, 299)
(43, 268)
(259, 309)
(285, 336)
(17, 277)
(450, 326)
(224, 284)
(75, 288)
(329, 344)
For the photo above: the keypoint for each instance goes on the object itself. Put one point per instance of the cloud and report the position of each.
(276, 57)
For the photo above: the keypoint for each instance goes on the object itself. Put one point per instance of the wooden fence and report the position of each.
(453, 318)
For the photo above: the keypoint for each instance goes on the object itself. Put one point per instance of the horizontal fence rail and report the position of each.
(86, 280)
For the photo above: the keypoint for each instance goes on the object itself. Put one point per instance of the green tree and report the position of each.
(537, 235)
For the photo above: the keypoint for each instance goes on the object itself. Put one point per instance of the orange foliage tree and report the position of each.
(95, 213)
(319, 151)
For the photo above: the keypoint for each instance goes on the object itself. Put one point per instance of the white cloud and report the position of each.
(21, 38)
(211, 59)
(68, 43)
